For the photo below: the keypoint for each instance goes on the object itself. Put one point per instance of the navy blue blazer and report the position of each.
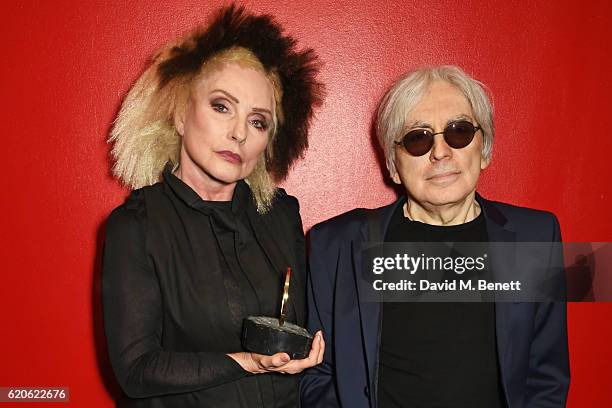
(531, 337)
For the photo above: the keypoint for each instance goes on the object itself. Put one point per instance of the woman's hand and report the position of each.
(280, 362)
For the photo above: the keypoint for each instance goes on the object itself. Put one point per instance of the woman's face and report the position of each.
(225, 125)
(444, 175)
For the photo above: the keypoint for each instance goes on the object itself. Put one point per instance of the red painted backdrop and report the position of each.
(67, 64)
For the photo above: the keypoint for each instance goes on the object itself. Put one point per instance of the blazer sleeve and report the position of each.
(317, 385)
(548, 376)
(133, 305)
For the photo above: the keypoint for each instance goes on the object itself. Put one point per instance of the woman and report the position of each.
(435, 126)
(206, 237)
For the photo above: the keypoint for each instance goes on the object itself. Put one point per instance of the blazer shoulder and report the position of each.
(352, 222)
(348, 224)
(530, 224)
(521, 215)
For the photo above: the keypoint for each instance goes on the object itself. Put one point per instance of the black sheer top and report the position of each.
(179, 275)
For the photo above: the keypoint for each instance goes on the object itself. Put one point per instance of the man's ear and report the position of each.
(395, 175)
(484, 163)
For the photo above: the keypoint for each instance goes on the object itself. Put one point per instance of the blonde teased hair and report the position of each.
(144, 136)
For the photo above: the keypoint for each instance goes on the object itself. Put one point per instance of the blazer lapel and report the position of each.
(369, 310)
(500, 229)
(369, 313)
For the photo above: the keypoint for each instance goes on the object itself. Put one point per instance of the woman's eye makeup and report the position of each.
(260, 123)
(220, 106)
(223, 106)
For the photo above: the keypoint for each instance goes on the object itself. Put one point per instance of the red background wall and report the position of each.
(67, 64)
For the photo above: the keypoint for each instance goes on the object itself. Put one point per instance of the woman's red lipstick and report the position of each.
(230, 156)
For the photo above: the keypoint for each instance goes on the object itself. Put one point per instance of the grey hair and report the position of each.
(406, 93)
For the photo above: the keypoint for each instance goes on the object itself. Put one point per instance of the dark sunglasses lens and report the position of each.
(418, 142)
(459, 134)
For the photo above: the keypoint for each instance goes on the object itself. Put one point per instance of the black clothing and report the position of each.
(438, 354)
(531, 336)
(179, 276)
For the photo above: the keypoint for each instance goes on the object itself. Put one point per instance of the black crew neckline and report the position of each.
(442, 228)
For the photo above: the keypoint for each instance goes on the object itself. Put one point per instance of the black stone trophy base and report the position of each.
(263, 335)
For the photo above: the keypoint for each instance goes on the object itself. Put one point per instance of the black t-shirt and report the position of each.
(438, 354)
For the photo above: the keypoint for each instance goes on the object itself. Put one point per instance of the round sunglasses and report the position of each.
(457, 135)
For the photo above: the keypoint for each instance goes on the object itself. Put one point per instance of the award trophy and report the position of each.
(269, 335)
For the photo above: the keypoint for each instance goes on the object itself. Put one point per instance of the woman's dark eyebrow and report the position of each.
(262, 110)
(229, 95)
(236, 101)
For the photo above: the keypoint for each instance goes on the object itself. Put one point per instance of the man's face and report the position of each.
(444, 175)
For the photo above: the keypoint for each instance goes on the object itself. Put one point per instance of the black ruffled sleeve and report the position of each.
(133, 318)
(292, 211)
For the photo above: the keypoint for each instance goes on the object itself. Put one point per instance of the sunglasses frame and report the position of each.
(446, 128)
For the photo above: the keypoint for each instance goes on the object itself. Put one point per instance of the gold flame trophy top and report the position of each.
(284, 302)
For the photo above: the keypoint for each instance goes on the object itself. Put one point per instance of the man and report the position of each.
(436, 128)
